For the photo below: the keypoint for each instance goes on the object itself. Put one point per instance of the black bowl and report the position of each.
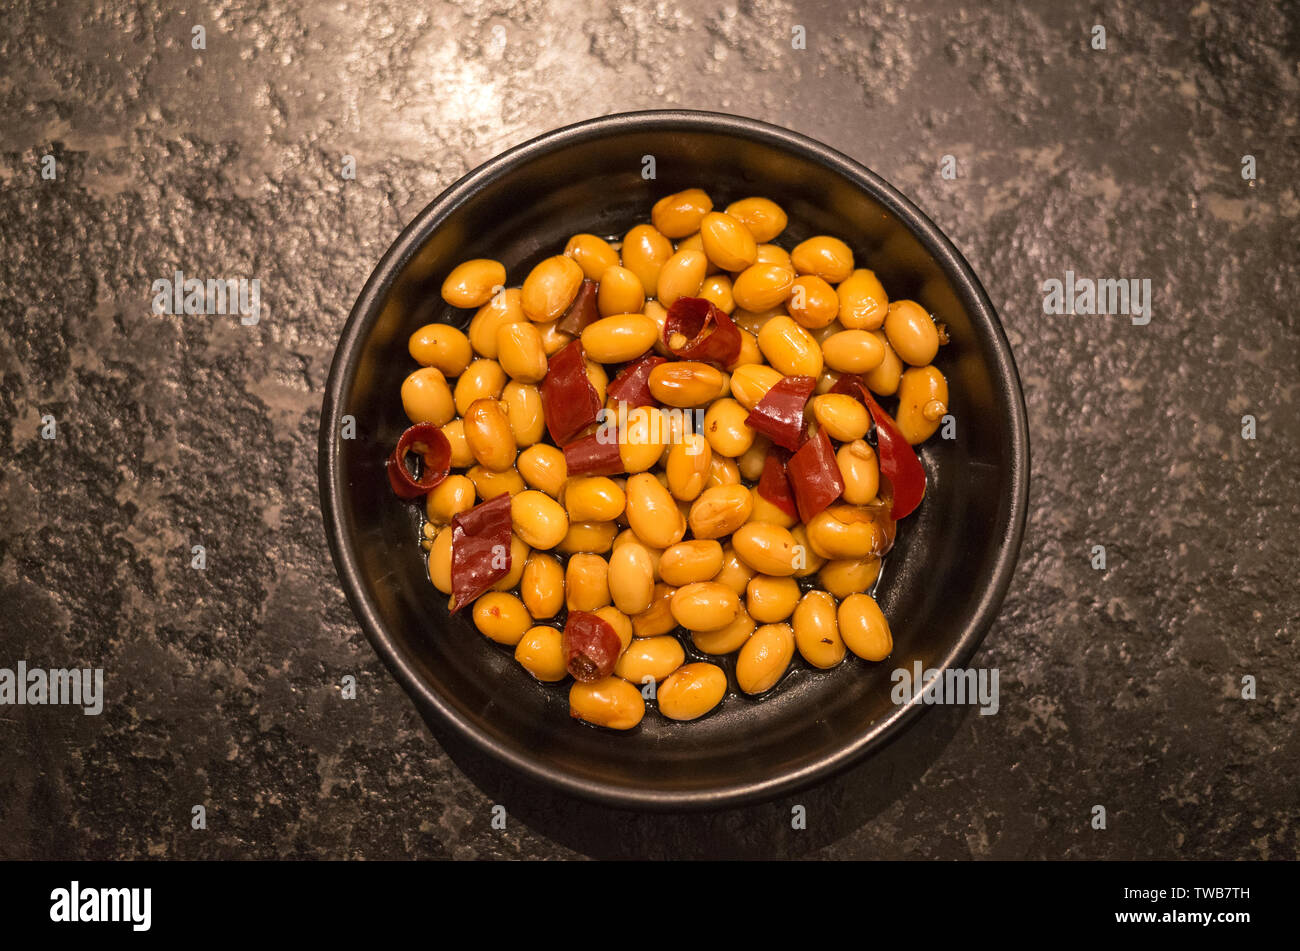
(942, 584)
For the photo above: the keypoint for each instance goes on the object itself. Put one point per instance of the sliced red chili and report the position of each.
(632, 385)
(569, 401)
(710, 335)
(591, 646)
(582, 311)
(595, 454)
(431, 444)
(774, 484)
(898, 460)
(480, 549)
(815, 475)
(779, 414)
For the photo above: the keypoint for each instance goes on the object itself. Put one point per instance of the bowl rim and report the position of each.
(408, 243)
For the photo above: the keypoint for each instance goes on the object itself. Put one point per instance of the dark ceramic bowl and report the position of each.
(943, 582)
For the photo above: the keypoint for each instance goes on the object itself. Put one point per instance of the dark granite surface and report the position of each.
(1119, 687)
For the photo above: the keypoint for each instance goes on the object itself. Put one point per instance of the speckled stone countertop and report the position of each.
(1120, 687)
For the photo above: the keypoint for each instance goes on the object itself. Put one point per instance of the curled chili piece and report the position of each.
(569, 401)
(582, 311)
(774, 484)
(815, 475)
(779, 414)
(433, 448)
(480, 549)
(898, 460)
(595, 453)
(591, 646)
(710, 336)
(632, 385)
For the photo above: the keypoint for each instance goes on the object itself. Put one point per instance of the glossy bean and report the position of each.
(764, 218)
(611, 702)
(922, 403)
(817, 630)
(860, 472)
(704, 606)
(769, 600)
(764, 658)
(482, 380)
(593, 254)
(863, 301)
(761, 286)
(441, 346)
(487, 430)
(619, 338)
(550, 288)
(426, 398)
(652, 512)
(864, 628)
(842, 416)
(680, 214)
(789, 348)
(541, 652)
(542, 585)
(521, 352)
(691, 691)
(543, 468)
(650, 659)
(911, 332)
(827, 257)
(538, 519)
(586, 582)
(501, 617)
(631, 578)
(720, 510)
(472, 283)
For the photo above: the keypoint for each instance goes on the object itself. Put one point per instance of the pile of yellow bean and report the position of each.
(683, 542)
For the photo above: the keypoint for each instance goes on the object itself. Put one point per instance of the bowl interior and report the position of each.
(941, 583)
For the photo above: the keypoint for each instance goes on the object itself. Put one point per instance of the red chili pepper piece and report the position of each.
(898, 460)
(779, 414)
(711, 337)
(591, 646)
(569, 401)
(774, 484)
(632, 385)
(582, 311)
(480, 549)
(432, 445)
(595, 454)
(815, 475)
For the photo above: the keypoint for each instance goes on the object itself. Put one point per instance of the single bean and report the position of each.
(441, 346)
(426, 398)
(472, 283)
(764, 658)
(550, 288)
(864, 627)
(817, 630)
(691, 691)
(538, 519)
(705, 606)
(610, 702)
(720, 510)
(541, 652)
(501, 617)
(829, 258)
